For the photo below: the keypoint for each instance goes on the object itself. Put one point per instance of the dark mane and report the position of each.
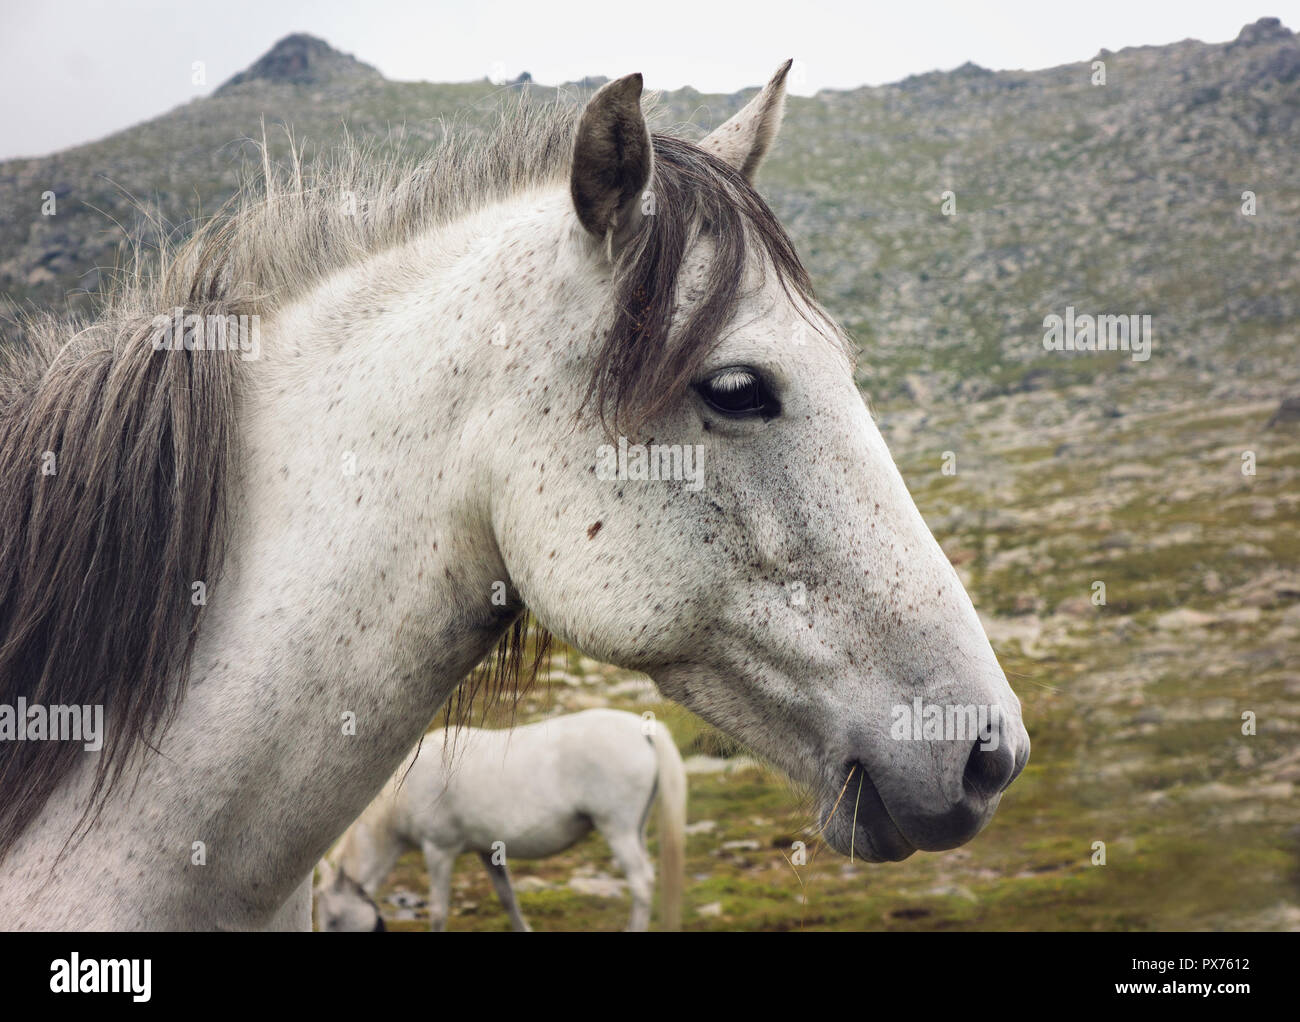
(97, 559)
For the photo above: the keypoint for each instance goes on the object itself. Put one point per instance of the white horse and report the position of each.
(575, 368)
(522, 793)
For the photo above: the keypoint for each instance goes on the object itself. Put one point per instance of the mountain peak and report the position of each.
(1262, 31)
(302, 59)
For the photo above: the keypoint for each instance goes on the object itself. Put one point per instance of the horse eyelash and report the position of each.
(732, 379)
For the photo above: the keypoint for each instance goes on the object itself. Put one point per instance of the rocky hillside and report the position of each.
(1122, 197)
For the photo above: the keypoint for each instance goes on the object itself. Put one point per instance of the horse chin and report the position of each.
(855, 821)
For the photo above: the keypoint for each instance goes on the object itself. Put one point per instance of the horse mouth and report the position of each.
(856, 822)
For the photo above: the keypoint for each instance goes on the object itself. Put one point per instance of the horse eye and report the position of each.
(739, 392)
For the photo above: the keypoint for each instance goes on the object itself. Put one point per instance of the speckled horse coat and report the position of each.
(409, 462)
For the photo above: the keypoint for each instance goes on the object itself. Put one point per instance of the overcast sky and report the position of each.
(75, 70)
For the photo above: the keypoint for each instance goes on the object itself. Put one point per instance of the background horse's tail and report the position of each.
(672, 828)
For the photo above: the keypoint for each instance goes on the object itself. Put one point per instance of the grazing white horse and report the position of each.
(575, 368)
(521, 793)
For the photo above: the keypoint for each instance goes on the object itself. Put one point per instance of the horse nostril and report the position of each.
(989, 771)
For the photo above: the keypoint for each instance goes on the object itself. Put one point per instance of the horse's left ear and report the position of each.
(744, 140)
(612, 159)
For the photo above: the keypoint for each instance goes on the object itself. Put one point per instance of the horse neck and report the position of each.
(361, 566)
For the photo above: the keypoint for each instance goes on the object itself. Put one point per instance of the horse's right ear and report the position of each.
(612, 159)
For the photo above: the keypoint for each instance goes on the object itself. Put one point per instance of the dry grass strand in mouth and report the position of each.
(853, 833)
(821, 831)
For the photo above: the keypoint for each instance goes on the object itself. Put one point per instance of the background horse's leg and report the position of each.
(505, 891)
(628, 846)
(439, 861)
